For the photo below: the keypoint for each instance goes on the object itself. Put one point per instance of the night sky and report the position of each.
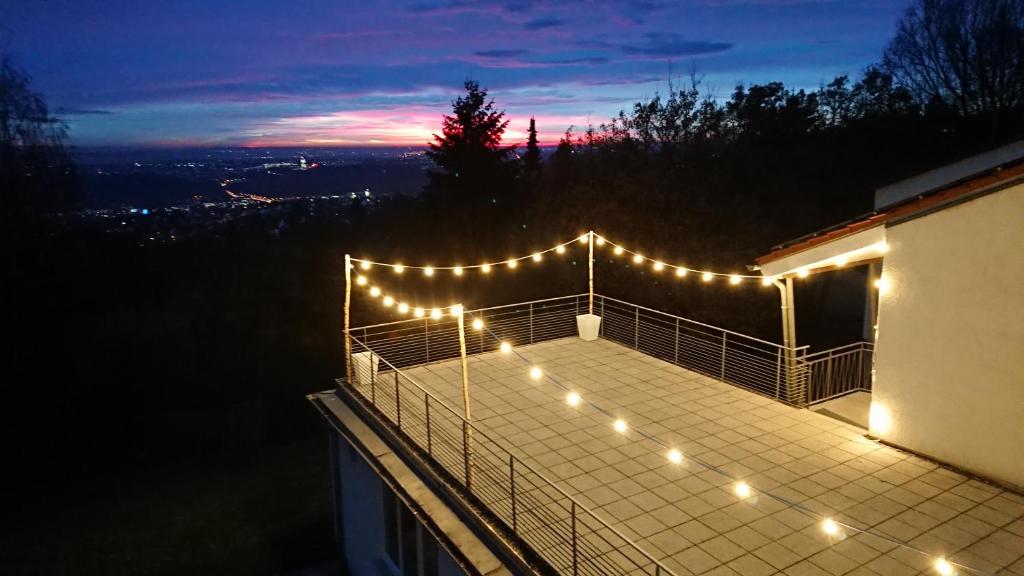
(322, 73)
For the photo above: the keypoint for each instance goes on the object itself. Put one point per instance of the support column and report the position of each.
(788, 309)
(468, 430)
(590, 266)
(348, 306)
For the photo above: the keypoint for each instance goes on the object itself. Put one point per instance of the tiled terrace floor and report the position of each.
(688, 516)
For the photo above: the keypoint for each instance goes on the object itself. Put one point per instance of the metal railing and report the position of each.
(839, 371)
(734, 358)
(561, 531)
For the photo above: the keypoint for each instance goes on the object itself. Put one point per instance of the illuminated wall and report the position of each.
(949, 366)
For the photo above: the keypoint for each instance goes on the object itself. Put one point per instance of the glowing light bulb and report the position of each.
(505, 347)
(707, 276)
(742, 489)
(388, 300)
(942, 566)
(658, 266)
(478, 324)
(457, 270)
(512, 263)
(680, 272)
(637, 258)
(486, 268)
(398, 268)
(456, 310)
(403, 307)
(374, 291)
(620, 425)
(536, 373)
(573, 399)
(735, 279)
(766, 281)
(599, 241)
(560, 249)
(536, 257)
(618, 250)
(841, 260)
(675, 456)
(584, 238)
(878, 419)
(882, 247)
(428, 271)
(802, 273)
(435, 313)
(882, 284)
(361, 280)
(830, 527)
(365, 265)
(418, 312)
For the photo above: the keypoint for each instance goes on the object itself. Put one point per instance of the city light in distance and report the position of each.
(418, 312)
(620, 425)
(361, 280)
(457, 270)
(428, 271)
(536, 257)
(435, 313)
(536, 373)
(742, 489)
(374, 291)
(830, 527)
(505, 347)
(573, 399)
(942, 566)
(675, 456)
(707, 276)
(456, 310)
(478, 324)
(735, 279)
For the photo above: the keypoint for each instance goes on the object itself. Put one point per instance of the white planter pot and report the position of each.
(588, 326)
(362, 370)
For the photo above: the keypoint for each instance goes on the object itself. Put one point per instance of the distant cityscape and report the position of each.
(164, 196)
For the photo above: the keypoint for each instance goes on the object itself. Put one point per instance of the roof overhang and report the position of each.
(867, 244)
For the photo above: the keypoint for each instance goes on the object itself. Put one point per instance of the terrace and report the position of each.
(667, 446)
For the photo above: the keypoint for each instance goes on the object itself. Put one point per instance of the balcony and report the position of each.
(571, 493)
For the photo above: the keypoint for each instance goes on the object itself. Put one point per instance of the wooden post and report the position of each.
(590, 267)
(348, 306)
(468, 439)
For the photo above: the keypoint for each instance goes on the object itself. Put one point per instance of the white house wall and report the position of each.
(949, 364)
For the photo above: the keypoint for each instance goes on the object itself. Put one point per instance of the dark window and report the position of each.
(390, 524)
(408, 526)
(428, 548)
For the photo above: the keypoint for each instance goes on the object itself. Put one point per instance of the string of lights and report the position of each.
(834, 529)
(402, 307)
(617, 249)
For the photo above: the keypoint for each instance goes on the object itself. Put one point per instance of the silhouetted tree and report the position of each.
(475, 173)
(531, 159)
(968, 54)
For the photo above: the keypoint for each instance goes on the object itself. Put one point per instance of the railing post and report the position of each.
(512, 488)
(675, 357)
(603, 319)
(531, 322)
(636, 328)
(373, 382)
(426, 335)
(725, 336)
(778, 371)
(465, 454)
(398, 402)
(574, 562)
(828, 376)
(426, 410)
